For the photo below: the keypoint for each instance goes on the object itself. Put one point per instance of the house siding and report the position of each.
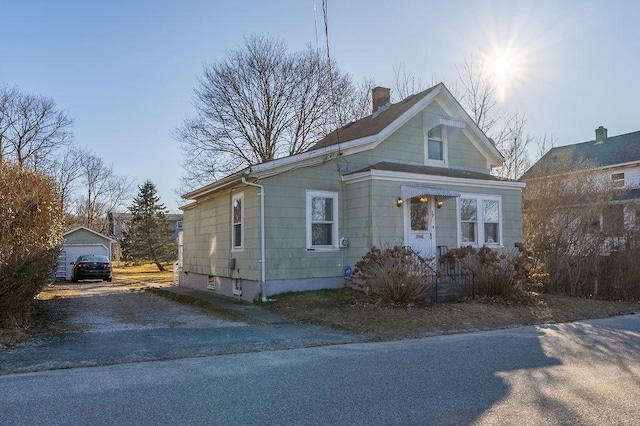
(82, 236)
(367, 215)
(406, 146)
(285, 226)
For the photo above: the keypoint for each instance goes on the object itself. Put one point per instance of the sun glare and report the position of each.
(503, 67)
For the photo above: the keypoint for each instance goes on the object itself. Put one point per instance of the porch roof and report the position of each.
(407, 191)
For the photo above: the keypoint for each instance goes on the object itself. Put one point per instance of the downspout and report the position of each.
(263, 283)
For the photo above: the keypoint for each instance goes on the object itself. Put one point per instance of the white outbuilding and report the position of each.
(77, 242)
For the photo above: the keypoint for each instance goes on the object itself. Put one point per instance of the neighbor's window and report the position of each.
(479, 220)
(617, 179)
(237, 221)
(322, 220)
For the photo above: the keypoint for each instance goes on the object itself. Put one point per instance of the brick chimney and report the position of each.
(601, 134)
(381, 96)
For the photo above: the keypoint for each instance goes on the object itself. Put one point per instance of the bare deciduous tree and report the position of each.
(514, 145)
(7, 96)
(478, 95)
(260, 103)
(103, 192)
(66, 171)
(405, 84)
(31, 127)
(567, 220)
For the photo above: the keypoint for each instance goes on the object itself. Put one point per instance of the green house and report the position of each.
(415, 173)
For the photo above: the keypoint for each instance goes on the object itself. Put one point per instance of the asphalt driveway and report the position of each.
(95, 323)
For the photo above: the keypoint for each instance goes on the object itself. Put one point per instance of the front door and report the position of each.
(420, 226)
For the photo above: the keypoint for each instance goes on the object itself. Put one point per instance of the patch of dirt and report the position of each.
(354, 311)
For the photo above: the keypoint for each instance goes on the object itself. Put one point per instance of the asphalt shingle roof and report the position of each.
(371, 124)
(429, 170)
(614, 150)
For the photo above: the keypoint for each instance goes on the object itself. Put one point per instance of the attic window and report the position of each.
(435, 144)
(617, 179)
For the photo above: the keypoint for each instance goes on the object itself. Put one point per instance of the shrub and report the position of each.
(397, 275)
(30, 238)
(498, 274)
(618, 275)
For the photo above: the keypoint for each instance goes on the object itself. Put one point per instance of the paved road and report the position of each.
(585, 373)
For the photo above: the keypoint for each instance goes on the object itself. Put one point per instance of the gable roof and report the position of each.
(89, 230)
(371, 124)
(614, 150)
(361, 135)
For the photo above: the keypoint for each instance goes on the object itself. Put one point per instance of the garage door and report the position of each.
(71, 252)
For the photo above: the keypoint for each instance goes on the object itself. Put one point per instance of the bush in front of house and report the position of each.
(30, 239)
(397, 275)
(498, 274)
(617, 275)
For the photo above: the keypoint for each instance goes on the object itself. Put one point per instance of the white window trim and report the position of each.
(618, 181)
(334, 237)
(445, 147)
(240, 247)
(480, 220)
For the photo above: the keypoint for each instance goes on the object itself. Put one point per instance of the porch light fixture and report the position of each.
(400, 202)
(423, 199)
(440, 203)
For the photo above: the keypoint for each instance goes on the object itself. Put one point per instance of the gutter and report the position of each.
(263, 282)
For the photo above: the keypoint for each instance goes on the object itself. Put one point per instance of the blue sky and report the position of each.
(125, 69)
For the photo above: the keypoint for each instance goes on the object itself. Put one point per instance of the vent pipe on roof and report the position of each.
(601, 134)
(381, 97)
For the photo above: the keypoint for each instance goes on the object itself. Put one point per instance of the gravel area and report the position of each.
(103, 307)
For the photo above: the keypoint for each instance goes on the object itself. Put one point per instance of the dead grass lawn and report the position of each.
(146, 273)
(354, 311)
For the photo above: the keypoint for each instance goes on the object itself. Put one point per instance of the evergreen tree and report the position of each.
(148, 236)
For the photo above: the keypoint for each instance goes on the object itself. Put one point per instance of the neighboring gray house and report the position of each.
(614, 159)
(77, 242)
(119, 221)
(415, 173)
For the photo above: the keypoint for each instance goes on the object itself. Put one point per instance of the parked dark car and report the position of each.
(91, 267)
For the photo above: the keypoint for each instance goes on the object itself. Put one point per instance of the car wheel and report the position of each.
(74, 280)
(108, 280)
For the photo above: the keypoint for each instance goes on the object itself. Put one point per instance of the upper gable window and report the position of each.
(436, 145)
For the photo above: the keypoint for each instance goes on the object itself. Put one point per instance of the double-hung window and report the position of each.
(479, 220)
(322, 220)
(237, 222)
(436, 146)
